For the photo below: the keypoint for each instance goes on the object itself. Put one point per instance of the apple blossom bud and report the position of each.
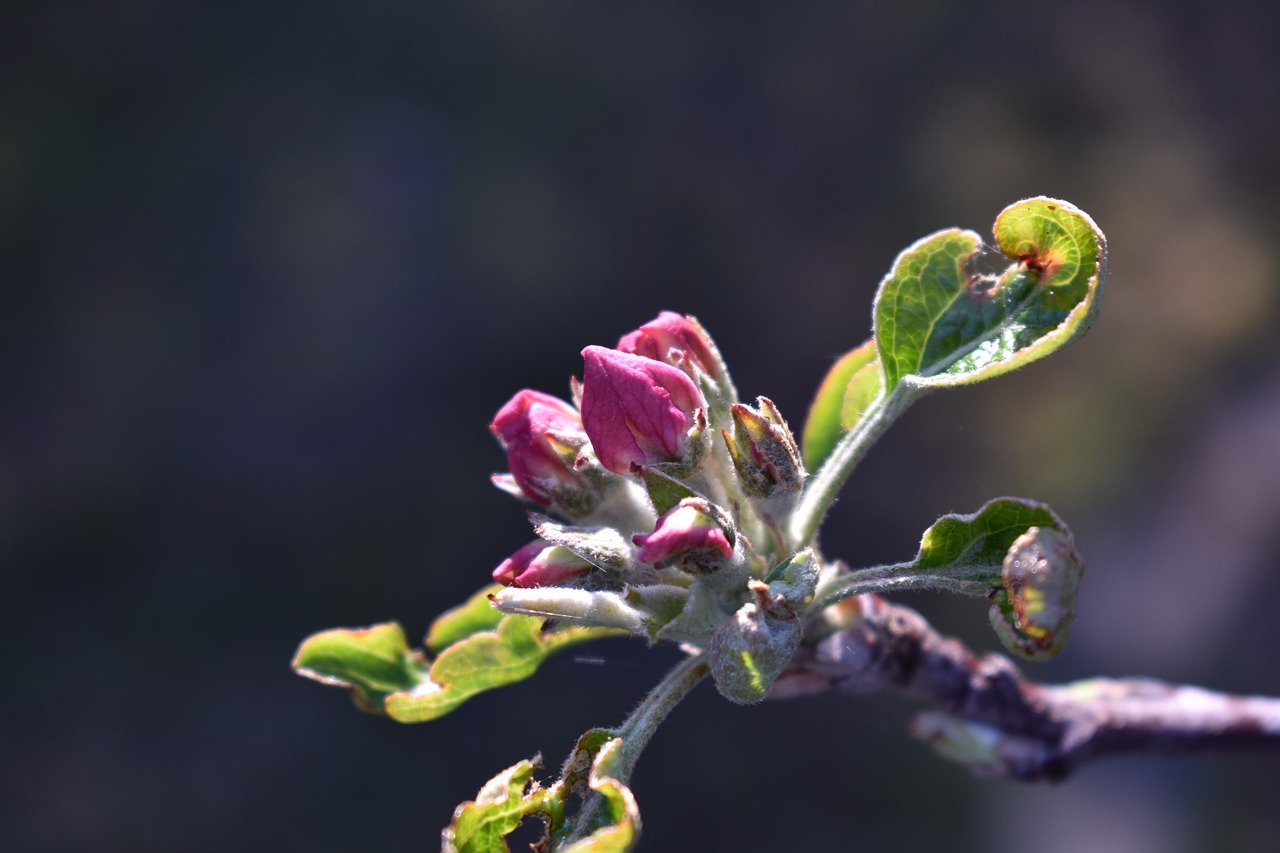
(543, 437)
(540, 564)
(677, 340)
(763, 450)
(636, 410)
(694, 535)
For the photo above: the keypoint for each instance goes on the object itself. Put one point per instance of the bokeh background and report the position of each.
(267, 270)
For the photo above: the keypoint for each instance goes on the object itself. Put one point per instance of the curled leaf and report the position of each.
(616, 827)
(373, 662)
(1034, 606)
(941, 322)
(481, 825)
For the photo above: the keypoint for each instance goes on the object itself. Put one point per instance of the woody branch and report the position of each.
(1001, 724)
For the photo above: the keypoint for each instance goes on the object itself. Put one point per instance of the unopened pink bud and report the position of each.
(675, 339)
(540, 564)
(689, 534)
(542, 435)
(636, 410)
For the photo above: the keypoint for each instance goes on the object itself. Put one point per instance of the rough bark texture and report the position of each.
(1002, 724)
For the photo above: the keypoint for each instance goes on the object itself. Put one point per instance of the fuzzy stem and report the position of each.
(637, 730)
(897, 577)
(820, 492)
(653, 709)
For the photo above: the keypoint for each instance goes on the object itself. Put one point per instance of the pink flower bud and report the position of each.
(689, 535)
(677, 340)
(540, 564)
(542, 436)
(636, 410)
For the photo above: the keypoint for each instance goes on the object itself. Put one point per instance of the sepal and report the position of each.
(601, 546)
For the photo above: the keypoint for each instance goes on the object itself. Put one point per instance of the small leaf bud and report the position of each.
(748, 652)
(763, 450)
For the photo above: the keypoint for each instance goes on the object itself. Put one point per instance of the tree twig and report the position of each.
(1001, 724)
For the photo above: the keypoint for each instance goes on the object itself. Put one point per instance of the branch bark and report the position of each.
(1002, 724)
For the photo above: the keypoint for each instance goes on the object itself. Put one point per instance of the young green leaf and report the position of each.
(385, 676)
(482, 824)
(476, 614)
(373, 662)
(982, 539)
(593, 769)
(512, 652)
(664, 490)
(616, 827)
(848, 389)
(959, 553)
(939, 322)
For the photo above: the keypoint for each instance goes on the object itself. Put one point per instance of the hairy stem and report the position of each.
(820, 492)
(1001, 724)
(638, 729)
(653, 709)
(896, 577)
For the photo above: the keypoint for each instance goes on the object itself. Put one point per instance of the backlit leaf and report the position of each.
(850, 386)
(940, 321)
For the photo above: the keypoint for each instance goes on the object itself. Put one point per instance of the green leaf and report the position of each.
(698, 616)
(959, 553)
(475, 615)
(482, 824)
(619, 821)
(795, 579)
(848, 389)
(510, 653)
(939, 322)
(373, 662)
(981, 540)
(602, 609)
(386, 677)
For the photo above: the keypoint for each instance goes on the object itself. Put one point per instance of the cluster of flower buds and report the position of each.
(676, 496)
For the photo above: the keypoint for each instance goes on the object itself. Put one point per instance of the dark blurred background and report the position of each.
(267, 270)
